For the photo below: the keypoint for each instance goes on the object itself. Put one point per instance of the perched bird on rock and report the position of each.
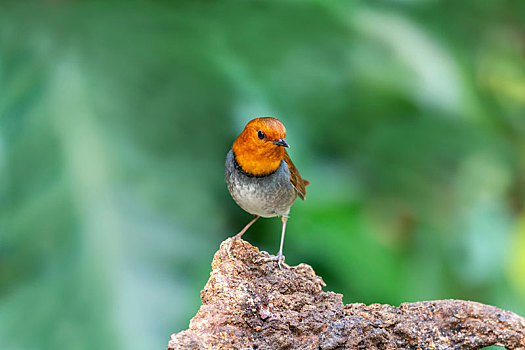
(260, 175)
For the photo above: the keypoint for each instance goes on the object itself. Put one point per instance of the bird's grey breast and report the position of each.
(266, 196)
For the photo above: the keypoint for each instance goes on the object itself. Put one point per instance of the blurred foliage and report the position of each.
(408, 117)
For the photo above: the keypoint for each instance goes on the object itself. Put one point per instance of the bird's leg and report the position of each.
(280, 257)
(239, 235)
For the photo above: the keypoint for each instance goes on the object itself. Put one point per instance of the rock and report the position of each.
(252, 304)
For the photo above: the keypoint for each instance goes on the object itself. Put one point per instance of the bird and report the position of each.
(261, 176)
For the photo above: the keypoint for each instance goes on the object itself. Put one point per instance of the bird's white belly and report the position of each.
(266, 196)
(257, 201)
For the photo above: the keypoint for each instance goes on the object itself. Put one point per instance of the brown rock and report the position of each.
(251, 304)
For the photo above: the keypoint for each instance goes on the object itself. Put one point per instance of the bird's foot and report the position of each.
(279, 258)
(230, 241)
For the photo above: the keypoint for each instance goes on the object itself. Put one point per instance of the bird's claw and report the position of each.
(280, 260)
(265, 253)
(230, 241)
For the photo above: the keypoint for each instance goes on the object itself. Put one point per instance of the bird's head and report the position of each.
(259, 149)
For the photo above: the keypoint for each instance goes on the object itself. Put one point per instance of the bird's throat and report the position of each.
(258, 161)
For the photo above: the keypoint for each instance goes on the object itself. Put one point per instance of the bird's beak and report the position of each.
(280, 142)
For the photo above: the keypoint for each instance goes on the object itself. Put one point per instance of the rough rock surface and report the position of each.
(251, 304)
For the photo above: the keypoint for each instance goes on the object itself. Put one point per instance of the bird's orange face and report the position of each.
(259, 149)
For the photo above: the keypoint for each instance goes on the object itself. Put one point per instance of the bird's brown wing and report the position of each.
(297, 181)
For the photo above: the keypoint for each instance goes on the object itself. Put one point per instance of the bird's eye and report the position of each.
(260, 135)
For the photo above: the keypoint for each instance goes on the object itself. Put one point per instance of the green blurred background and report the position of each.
(408, 117)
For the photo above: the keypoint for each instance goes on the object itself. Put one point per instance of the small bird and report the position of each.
(260, 175)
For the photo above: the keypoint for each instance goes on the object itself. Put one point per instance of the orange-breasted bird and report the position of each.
(260, 175)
